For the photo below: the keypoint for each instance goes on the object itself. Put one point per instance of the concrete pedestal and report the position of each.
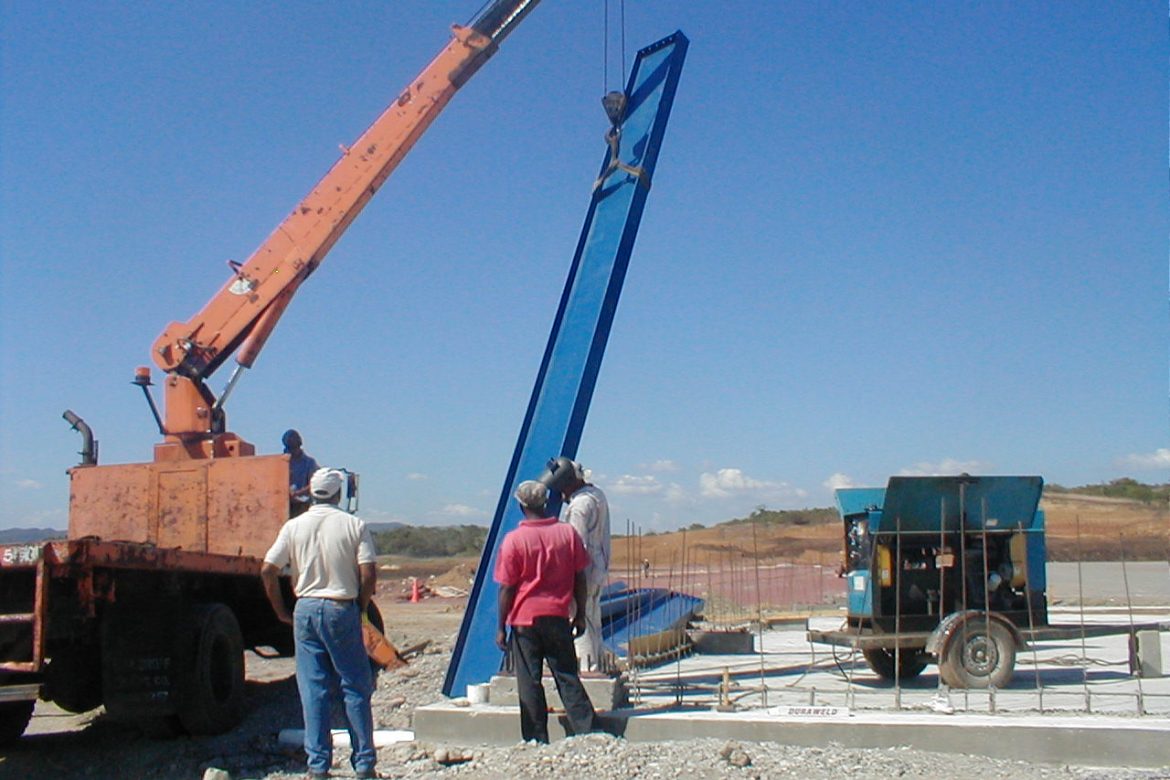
(606, 693)
(1145, 654)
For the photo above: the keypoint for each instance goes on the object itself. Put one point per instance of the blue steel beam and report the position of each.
(568, 372)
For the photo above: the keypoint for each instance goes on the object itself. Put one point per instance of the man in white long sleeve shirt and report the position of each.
(587, 510)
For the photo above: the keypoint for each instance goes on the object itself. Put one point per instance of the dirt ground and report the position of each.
(59, 745)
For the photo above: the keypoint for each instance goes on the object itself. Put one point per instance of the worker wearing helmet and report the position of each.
(587, 510)
(301, 467)
(332, 559)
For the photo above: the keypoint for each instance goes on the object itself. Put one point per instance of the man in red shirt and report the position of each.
(541, 572)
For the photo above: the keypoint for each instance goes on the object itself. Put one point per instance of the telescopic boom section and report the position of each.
(244, 312)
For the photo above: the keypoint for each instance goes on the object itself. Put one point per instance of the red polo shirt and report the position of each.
(541, 558)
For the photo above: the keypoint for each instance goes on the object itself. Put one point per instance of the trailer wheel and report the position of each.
(910, 662)
(14, 718)
(213, 689)
(979, 654)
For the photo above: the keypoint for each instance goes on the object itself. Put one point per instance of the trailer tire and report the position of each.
(14, 718)
(910, 662)
(979, 654)
(212, 698)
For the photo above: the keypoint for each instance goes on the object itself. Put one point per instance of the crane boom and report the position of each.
(243, 313)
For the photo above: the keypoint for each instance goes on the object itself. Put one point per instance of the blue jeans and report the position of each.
(331, 656)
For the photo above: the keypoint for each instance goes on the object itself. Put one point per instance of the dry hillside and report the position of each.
(1080, 527)
(1094, 528)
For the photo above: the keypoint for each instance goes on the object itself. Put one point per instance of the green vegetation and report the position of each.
(426, 542)
(765, 516)
(1120, 488)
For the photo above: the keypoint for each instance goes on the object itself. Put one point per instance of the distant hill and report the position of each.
(379, 528)
(16, 535)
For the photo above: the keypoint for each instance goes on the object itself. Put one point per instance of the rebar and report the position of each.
(1132, 632)
(759, 612)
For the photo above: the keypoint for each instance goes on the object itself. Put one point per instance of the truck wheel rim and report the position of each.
(980, 656)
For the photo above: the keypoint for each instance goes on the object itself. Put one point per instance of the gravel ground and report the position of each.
(96, 747)
(603, 756)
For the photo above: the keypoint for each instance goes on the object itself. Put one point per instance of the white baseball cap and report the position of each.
(325, 483)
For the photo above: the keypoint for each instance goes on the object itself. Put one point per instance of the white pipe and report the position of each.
(382, 738)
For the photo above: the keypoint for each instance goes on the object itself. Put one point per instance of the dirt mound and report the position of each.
(461, 575)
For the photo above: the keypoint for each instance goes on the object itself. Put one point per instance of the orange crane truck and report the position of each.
(148, 605)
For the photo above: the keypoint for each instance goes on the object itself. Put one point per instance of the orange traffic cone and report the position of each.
(414, 590)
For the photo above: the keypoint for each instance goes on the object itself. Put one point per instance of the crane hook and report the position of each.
(615, 103)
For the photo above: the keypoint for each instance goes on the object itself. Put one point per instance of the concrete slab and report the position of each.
(606, 693)
(1072, 701)
(1141, 583)
(1102, 741)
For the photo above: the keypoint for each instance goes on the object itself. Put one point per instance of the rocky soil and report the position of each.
(63, 746)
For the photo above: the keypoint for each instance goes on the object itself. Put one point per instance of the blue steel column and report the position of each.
(568, 372)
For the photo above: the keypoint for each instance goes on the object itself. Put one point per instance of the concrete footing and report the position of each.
(1102, 742)
(606, 693)
(1145, 654)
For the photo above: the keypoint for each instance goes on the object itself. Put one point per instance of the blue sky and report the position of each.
(884, 238)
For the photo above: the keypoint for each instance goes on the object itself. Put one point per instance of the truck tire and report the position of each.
(979, 654)
(212, 699)
(73, 678)
(14, 718)
(910, 662)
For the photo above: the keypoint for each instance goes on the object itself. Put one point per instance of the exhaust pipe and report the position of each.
(89, 445)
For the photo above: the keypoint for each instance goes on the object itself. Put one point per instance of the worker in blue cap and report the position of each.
(301, 467)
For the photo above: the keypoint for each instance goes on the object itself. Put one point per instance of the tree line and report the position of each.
(431, 542)
(1121, 488)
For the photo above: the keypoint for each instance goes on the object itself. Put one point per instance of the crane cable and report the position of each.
(605, 41)
(614, 102)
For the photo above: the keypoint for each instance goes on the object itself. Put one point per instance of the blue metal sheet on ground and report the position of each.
(568, 372)
(628, 614)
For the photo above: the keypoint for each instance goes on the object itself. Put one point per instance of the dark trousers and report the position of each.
(548, 639)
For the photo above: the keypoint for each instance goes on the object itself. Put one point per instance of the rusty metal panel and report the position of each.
(88, 554)
(232, 506)
(182, 507)
(112, 502)
(247, 503)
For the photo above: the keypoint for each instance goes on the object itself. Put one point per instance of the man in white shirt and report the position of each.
(587, 510)
(333, 564)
